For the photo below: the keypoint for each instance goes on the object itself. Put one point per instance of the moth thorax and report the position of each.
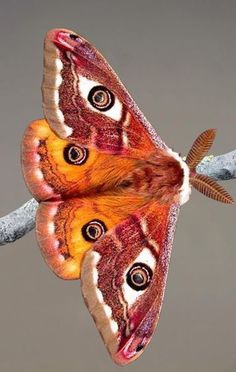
(168, 178)
(184, 190)
(163, 176)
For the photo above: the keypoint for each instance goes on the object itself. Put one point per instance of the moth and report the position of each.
(109, 192)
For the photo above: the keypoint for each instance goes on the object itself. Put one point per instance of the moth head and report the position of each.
(123, 296)
(184, 190)
(206, 185)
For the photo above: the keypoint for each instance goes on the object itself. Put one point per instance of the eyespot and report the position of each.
(76, 155)
(93, 230)
(101, 98)
(139, 276)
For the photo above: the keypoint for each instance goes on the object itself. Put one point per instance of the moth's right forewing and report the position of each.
(124, 276)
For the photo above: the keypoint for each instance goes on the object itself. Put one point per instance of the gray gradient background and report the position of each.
(178, 60)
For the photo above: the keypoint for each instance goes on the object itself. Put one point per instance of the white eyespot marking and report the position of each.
(85, 86)
(185, 190)
(146, 257)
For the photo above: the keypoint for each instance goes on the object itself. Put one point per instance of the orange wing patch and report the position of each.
(49, 170)
(67, 229)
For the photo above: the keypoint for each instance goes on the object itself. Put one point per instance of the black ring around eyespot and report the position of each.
(108, 95)
(93, 230)
(76, 155)
(142, 271)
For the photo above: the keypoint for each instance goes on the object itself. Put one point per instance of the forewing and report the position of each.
(84, 100)
(126, 316)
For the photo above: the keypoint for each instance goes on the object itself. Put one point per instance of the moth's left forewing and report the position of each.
(83, 99)
(124, 276)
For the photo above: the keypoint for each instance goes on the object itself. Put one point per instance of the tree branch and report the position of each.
(221, 168)
(19, 222)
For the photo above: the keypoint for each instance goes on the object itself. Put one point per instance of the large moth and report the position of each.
(109, 190)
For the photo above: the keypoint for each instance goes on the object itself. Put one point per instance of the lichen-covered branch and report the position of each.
(221, 168)
(19, 222)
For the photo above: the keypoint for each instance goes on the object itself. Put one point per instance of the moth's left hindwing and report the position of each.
(124, 277)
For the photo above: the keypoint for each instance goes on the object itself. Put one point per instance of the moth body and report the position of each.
(109, 192)
(163, 176)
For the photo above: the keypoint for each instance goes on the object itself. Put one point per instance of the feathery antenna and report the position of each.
(200, 148)
(211, 188)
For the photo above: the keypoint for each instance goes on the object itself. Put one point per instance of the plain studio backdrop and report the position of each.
(178, 60)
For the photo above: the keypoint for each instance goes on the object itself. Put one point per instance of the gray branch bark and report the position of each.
(19, 222)
(221, 168)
